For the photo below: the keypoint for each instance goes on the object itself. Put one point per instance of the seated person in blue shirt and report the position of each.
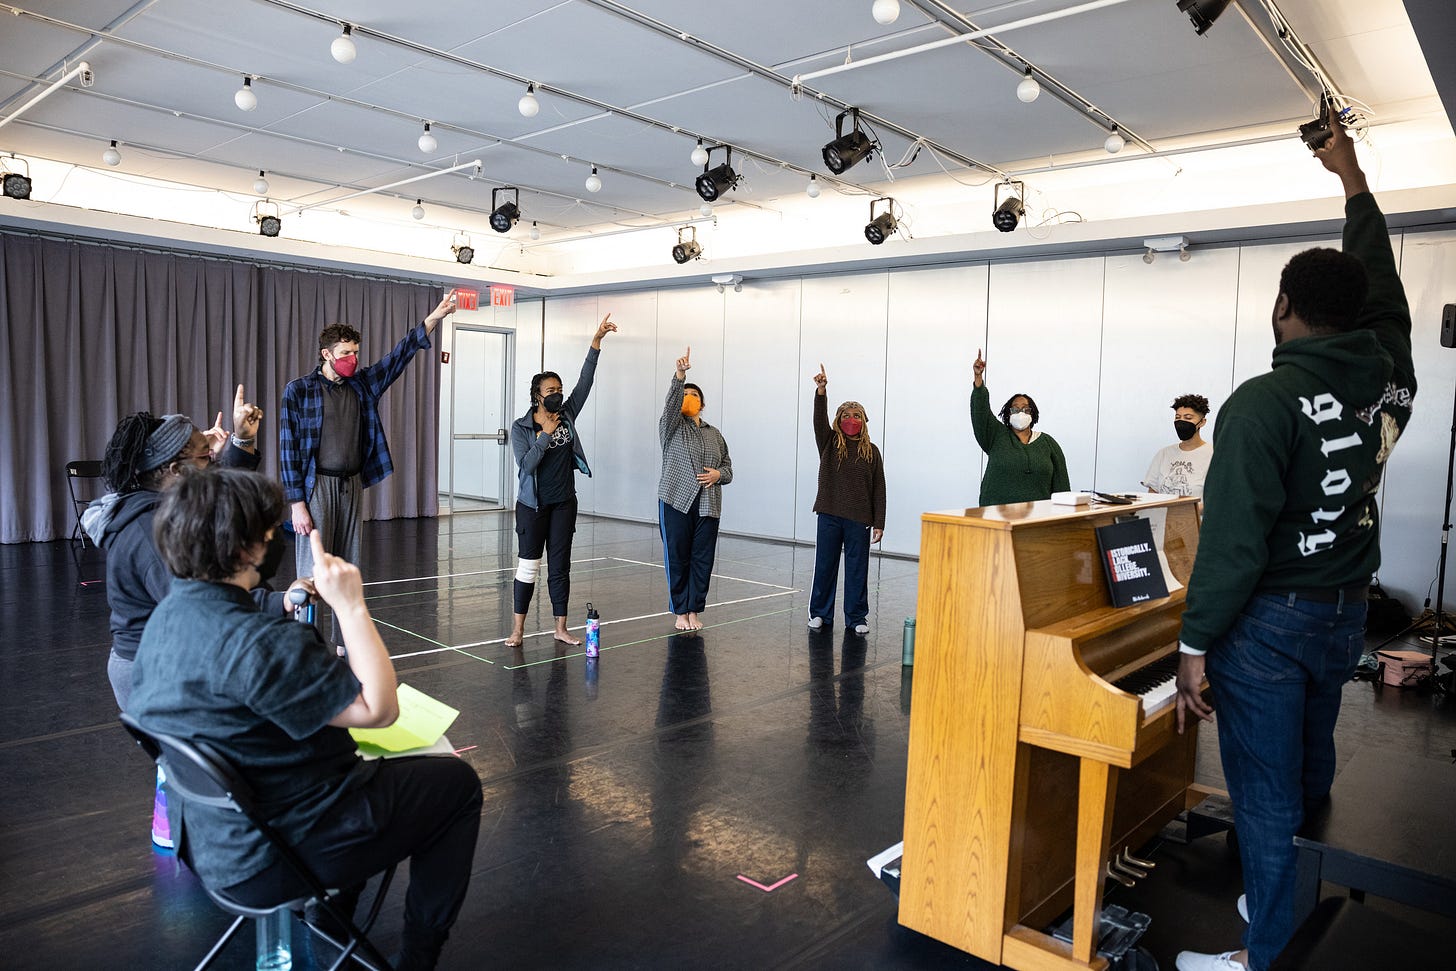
(272, 697)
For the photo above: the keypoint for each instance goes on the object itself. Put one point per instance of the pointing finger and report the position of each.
(316, 544)
(238, 401)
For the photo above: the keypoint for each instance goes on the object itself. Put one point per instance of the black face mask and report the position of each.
(272, 556)
(1185, 429)
(553, 402)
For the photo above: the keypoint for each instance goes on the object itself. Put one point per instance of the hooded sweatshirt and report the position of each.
(1299, 452)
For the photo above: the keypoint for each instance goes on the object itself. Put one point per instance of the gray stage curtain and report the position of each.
(89, 333)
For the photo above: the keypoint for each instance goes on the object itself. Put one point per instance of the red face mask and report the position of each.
(851, 426)
(345, 367)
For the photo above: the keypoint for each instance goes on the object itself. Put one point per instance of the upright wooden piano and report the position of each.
(1029, 768)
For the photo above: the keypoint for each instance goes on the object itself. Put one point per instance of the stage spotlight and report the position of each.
(883, 226)
(266, 215)
(504, 215)
(1009, 210)
(342, 48)
(686, 249)
(462, 249)
(846, 151)
(1202, 12)
(111, 156)
(715, 181)
(16, 185)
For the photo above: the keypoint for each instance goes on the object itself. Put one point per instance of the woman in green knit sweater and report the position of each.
(1022, 465)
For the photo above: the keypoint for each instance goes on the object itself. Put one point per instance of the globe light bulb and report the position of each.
(593, 181)
(812, 189)
(885, 12)
(244, 97)
(1028, 89)
(528, 106)
(260, 184)
(535, 231)
(111, 156)
(1114, 142)
(343, 47)
(418, 212)
(427, 141)
(706, 209)
(700, 154)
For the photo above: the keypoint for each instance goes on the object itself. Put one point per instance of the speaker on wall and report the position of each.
(1448, 325)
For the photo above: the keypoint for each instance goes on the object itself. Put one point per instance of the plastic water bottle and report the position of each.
(275, 941)
(593, 632)
(907, 643)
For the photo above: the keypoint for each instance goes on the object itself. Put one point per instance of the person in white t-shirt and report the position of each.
(1180, 469)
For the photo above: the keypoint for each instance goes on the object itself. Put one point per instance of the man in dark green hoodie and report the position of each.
(1276, 603)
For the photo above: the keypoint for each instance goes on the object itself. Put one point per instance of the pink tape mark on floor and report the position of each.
(755, 883)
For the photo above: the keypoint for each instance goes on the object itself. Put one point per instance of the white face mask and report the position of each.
(1020, 421)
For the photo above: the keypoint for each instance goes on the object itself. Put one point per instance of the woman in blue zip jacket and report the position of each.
(549, 454)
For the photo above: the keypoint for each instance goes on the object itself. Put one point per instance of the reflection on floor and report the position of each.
(621, 809)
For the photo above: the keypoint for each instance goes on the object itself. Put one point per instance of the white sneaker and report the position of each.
(861, 629)
(816, 622)
(1193, 961)
(1244, 907)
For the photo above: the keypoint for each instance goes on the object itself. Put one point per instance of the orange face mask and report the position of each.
(691, 406)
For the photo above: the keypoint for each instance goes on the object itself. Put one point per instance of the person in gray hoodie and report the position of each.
(549, 453)
(1276, 601)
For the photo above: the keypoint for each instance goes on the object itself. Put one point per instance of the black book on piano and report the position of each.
(1130, 560)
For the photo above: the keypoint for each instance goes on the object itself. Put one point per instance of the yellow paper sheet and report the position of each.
(422, 720)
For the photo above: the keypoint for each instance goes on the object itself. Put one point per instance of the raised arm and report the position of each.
(339, 584)
(823, 433)
(983, 423)
(672, 417)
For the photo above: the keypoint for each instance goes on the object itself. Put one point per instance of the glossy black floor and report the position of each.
(620, 813)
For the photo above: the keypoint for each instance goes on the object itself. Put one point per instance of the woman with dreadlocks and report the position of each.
(851, 508)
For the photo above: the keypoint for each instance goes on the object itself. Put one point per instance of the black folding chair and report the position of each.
(197, 773)
(88, 473)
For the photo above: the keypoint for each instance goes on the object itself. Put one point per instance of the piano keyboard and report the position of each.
(1156, 683)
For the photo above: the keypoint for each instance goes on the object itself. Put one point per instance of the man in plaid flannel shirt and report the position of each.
(331, 441)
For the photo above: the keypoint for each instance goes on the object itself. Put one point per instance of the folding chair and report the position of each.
(197, 773)
(81, 470)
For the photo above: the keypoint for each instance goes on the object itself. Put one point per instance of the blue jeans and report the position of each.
(1276, 678)
(836, 533)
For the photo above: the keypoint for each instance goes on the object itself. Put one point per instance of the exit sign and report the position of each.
(466, 299)
(502, 296)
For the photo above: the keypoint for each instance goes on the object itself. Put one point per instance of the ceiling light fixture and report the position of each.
(462, 249)
(594, 181)
(111, 156)
(1166, 244)
(504, 215)
(713, 182)
(1029, 88)
(812, 189)
(15, 184)
(260, 184)
(343, 46)
(1202, 12)
(706, 210)
(883, 226)
(700, 154)
(266, 215)
(846, 151)
(686, 249)
(885, 12)
(535, 230)
(528, 106)
(1115, 142)
(733, 280)
(418, 212)
(244, 97)
(427, 141)
(1008, 211)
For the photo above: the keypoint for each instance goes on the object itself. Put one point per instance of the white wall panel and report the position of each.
(570, 323)
(761, 391)
(1415, 475)
(1043, 338)
(843, 325)
(937, 321)
(688, 317)
(527, 324)
(1167, 330)
(624, 405)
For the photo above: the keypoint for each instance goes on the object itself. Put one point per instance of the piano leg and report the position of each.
(1096, 793)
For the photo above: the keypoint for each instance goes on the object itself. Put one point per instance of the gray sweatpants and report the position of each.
(337, 510)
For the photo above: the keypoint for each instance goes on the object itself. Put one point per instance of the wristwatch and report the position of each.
(243, 442)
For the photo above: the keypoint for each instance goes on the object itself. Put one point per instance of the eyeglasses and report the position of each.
(1020, 411)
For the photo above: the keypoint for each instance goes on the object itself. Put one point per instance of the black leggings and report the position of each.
(550, 527)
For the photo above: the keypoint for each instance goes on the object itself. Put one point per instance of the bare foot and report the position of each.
(683, 623)
(564, 636)
(517, 638)
(694, 623)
